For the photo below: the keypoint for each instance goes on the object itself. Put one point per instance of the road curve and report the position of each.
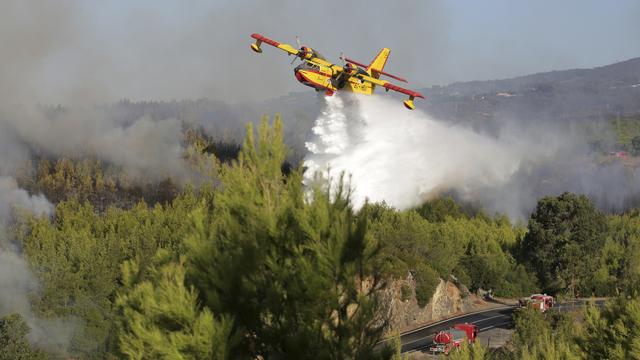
(421, 338)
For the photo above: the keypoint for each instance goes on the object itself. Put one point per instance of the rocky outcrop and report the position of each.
(448, 300)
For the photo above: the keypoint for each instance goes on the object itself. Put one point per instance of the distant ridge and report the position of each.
(578, 94)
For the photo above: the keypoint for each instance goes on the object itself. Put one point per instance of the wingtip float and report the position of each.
(315, 71)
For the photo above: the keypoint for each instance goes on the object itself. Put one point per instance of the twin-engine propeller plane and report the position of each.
(315, 71)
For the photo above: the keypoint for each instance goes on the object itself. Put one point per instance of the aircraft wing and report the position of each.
(290, 50)
(389, 86)
(322, 62)
(263, 39)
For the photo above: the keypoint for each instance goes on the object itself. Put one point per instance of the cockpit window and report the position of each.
(308, 65)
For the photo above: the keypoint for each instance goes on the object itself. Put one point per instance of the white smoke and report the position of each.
(145, 149)
(17, 282)
(11, 196)
(406, 157)
(402, 157)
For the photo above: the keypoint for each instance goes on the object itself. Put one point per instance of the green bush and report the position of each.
(405, 292)
(518, 282)
(13, 340)
(427, 279)
(438, 209)
(461, 276)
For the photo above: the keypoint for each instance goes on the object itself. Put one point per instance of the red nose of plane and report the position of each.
(299, 76)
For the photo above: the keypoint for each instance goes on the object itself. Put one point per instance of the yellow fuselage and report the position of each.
(322, 78)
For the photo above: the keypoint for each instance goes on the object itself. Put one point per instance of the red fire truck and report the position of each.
(539, 302)
(447, 340)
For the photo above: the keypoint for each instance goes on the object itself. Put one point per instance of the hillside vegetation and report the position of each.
(248, 263)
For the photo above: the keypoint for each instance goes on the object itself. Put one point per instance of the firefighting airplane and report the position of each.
(318, 73)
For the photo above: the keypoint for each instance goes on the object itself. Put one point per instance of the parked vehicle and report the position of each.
(539, 302)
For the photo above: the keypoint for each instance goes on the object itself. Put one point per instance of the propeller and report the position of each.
(348, 67)
(301, 52)
(299, 47)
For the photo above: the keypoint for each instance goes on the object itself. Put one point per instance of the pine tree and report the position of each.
(161, 318)
(614, 332)
(13, 340)
(298, 276)
(468, 352)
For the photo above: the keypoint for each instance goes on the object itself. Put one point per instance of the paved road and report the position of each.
(421, 338)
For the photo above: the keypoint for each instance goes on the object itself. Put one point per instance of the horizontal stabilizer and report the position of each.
(375, 72)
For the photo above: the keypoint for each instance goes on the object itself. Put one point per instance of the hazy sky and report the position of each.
(62, 50)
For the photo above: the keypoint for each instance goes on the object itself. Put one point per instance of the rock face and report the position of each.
(447, 300)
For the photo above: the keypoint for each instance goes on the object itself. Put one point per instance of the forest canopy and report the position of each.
(249, 262)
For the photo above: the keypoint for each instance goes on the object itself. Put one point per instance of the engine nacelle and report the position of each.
(307, 53)
(350, 69)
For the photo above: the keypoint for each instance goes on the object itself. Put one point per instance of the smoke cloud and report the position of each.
(55, 53)
(404, 158)
(17, 282)
(63, 52)
(41, 44)
(11, 197)
(145, 149)
(70, 52)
